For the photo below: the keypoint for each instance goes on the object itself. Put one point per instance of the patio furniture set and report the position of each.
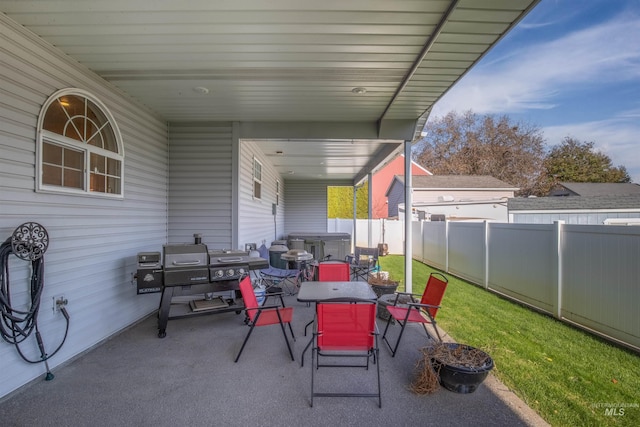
(344, 322)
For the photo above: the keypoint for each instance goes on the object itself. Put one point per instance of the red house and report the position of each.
(383, 178)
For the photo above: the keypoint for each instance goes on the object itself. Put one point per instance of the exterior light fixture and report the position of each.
(359, 90)
(201, 90)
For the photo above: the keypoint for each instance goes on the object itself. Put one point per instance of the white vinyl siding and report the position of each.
(302, 207)
(93, 242)
(306, 202)
(200, 183)
(256, 223)
(584, 217)
(428, 196)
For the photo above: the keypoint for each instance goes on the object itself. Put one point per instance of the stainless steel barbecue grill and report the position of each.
(185, 264)
(206, 279)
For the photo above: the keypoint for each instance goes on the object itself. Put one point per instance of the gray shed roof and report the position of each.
(611, 201)
(600, 189)
(462, 182)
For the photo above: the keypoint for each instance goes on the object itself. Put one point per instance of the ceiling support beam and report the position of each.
(425, 49)
(386, 154)
(385, 129)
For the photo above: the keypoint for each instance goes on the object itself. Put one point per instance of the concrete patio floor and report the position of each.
(189, 378)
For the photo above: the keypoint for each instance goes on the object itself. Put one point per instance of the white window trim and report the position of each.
(255, 179)
(61, 140)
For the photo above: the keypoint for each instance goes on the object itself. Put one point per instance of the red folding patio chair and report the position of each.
(423, 312)
(263, 315)
(334, 271)
(330, 271)
(346, 329)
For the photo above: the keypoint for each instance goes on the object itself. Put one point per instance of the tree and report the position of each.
(472, 145)
(340, 202)
(575, 161)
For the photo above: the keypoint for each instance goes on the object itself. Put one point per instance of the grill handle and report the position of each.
(180, 263)
(148, 264)
(236, 259)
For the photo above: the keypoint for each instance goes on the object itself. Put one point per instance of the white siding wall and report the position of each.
(200, 183)
(584, 217)
(91, 257)
(256, 222)
(396, 197)
(307, 206)
(420, 196)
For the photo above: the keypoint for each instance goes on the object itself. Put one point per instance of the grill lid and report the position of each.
(185, 256)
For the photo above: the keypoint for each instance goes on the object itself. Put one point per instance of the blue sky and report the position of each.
(572, 68)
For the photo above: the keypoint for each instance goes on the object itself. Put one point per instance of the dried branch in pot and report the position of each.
(426, 380)
(428, 369)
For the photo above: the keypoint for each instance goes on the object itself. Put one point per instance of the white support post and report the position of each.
(558, 225)
(486, 254)
(446, 245)
(369, 210)
(355, 219)
(408, 217)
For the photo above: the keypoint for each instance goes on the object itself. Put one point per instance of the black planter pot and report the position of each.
(462, 379)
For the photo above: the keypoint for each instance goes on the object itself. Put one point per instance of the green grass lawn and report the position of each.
(568, 376)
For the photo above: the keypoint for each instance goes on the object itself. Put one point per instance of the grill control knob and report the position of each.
(230, 272)
(241, 271)
(219, 273)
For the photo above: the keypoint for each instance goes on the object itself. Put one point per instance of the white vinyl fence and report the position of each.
(386, 231)
(587, 275)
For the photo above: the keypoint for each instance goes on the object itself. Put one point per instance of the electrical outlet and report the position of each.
(59, 301)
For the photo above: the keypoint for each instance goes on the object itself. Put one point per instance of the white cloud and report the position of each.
(535, 76)
(542, 75)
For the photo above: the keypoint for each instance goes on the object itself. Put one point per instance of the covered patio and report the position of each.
(226, 119)
(189, 378)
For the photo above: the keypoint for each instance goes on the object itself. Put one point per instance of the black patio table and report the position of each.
(314, 291)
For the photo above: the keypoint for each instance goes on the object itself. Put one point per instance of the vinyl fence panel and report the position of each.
(601, 279)
(434, 243)
(522, 263)
(588, 275)
(467, 250)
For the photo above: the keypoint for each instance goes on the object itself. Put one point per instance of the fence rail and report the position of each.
(587, 275)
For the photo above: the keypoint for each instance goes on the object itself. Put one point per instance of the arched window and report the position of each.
(79, 146)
